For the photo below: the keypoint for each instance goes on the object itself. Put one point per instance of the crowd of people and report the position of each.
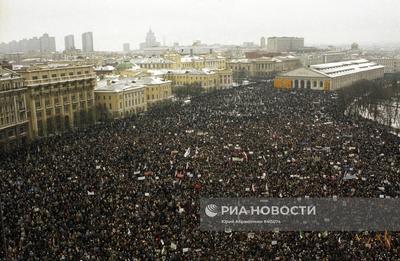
(130, 189)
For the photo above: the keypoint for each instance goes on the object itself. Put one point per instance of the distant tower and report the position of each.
(262, 42)
(69, 42)
(87, 42)
(47, 43)
(150, 41)
(126, 47)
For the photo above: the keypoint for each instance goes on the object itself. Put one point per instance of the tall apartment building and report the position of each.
(262, 42)
(69, 42)
(126, 47)
(59, 97)
(13, 109)
(87, 42)
(285, 44)
(47, 44)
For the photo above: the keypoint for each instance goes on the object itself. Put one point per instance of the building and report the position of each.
(59, 97)
(69, 42)
(47, 44)
(87, 42)
(126, 47)
(208, 79)
(156, 90)
(119, 98)
(194, 62)
(285, 44)
(13, 109)
(42, 44)
(262, 42)
(330, 76)
(150, 41)
(155, 63)
(262, 67)
(101, 71)
(122, 97)
(392, 65)
(15, 58)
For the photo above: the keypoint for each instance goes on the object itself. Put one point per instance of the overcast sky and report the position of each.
(114, 22)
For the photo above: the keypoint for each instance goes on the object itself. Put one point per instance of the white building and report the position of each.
(392, 65)
(285, 44)
(87, 42)
(330, 76)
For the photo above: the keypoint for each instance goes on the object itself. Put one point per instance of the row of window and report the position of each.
(9, 85)
(57, 110)
(46, 76)
(10, 133)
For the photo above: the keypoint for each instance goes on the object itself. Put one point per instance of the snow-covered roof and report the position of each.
(7, 74)
(151, 60)
(344, 68)
(105, 68)
(125, 84)
(203, 71)
(188, 59)
(117, 85)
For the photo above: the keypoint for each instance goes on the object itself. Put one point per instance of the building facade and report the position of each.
(69, 42)
(117, 99)
(47, 44)
(330, 76)
(263, 67)
(262, 42)
(392, 65)
(124, 97)
(13, 109)
(59, 97)
(126, 47)
(285, 44)
(150, 41)
(87, 42)
(208, 79)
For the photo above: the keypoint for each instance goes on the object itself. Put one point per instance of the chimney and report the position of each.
(191, 52)
(108, 82)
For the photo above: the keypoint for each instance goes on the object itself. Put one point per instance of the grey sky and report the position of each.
(114, 22)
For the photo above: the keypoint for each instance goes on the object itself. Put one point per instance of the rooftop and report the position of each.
(6, 74)
(114, 84)
(151, 60)
(344, 68)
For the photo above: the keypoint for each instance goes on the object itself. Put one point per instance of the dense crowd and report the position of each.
(130, 189)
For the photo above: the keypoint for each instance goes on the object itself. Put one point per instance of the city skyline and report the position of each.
(224, 22)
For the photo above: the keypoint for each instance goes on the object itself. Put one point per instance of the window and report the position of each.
(44, 76)
(54, 75)
(34, 77)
